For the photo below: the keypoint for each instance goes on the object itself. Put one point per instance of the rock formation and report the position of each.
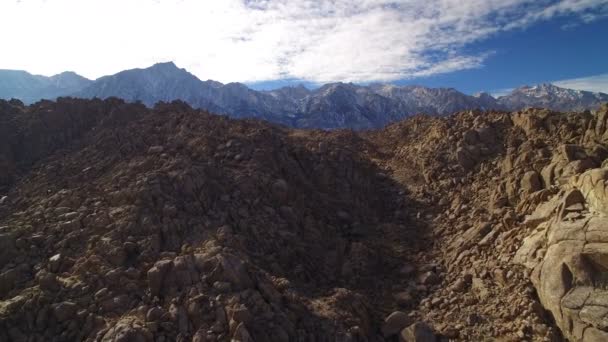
(124, 223)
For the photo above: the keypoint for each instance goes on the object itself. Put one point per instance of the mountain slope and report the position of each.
(437, 101)
(161, 82)
(335, 105)
(120, 222)
(31, 88)
(552, 97)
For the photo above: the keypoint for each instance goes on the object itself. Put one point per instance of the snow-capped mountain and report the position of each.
(552, 97)
(435, 100)
(334, 105)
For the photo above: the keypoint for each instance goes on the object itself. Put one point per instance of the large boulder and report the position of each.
(417, 332)
(531, 182)
(567, 253)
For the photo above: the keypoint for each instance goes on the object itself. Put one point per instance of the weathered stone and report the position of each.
(480, 288)
(394, 323)
(428, 278)
(55, 263)
(154, 314)
(64, 311)
(530, 182)
(417, 332)
(403, 298)
(157, 274)
(241, 334)
(242, 314)
(47, 281)
(234, 271)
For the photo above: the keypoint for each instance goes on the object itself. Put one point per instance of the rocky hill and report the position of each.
(123, 223)
(334, 105)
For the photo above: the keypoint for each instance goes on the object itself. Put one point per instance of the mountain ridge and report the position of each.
(332, 105)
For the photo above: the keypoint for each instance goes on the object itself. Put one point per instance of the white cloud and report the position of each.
(257, 40)
(501, 92)
(597, 83)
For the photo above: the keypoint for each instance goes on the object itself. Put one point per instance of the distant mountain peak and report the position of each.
(551, 96)
(482, 95)
(165, 65)
(66, 73)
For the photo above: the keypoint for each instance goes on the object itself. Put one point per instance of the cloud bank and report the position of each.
(597, 83)
(259, 40)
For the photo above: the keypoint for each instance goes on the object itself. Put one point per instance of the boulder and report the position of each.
(234, 271)
(568, 256)
(394, 323)
(464, 159)
(64, 311)
(156, 275)
(417, 332)
(530, 182)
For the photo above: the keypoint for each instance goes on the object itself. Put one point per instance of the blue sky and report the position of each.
(563, 50)
(471, 45)
(546, 52)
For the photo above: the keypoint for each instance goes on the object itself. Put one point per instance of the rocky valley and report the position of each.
(120, 222)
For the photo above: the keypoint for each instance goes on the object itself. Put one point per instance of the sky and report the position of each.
(470, 45)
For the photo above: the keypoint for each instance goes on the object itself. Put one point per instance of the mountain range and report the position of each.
(334, 105)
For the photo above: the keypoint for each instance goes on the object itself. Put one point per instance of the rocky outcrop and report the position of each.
(567, 248)
(566, 253)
